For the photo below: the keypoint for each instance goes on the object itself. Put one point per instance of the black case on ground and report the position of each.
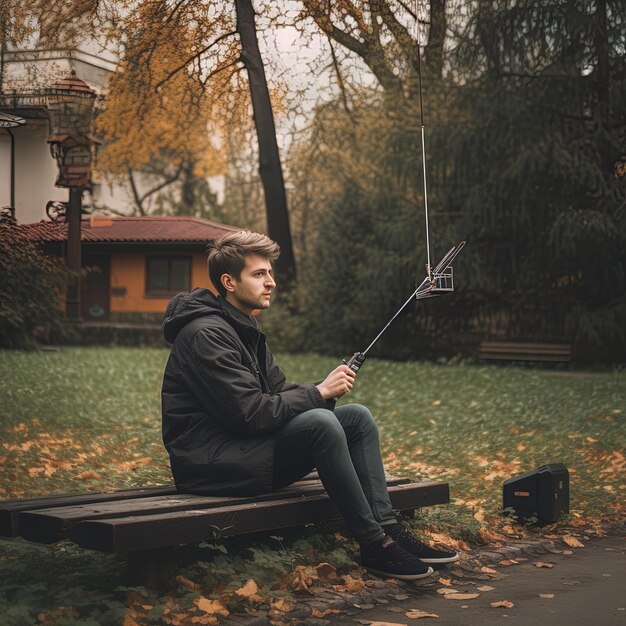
(543, 493)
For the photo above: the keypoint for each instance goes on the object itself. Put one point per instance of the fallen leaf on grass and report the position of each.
(417, 614)
(542, 564)
(213, 607)
(573, 542)
(88, 474)
(502, 603)
(485, 588)
(185, 582)
(250, 590)
(176, 619)
(546, 595)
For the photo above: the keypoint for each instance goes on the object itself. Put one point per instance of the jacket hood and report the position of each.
(185, 307)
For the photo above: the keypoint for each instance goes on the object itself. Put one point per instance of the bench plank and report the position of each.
(53, 524)
(129, 534)
(10, 509)
(521, 351)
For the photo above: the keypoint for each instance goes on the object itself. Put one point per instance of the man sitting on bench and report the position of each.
(233, 426)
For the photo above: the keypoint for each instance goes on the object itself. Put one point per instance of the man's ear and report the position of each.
(228, 282)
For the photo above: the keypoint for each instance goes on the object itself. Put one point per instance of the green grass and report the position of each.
(89, 419)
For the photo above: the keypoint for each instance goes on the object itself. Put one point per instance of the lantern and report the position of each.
(71, 109)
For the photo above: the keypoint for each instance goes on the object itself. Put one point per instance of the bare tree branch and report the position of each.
(194, 57)
(139, 200)
(340, 81)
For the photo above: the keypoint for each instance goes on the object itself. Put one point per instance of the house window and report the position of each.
(166, 275)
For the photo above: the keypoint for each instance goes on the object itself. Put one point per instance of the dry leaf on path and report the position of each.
(213, 607)
(352, 584)
(542, 564)
(487, 570)
(485, 588)
(572, 542)
(461, 596)
(446, 581)
(326, 571)
(502, 604)
(205, 619)
(370, 623)
(282, 605)
(546, 595)
(317, 613)
(508, 562)
(418, 614)
(446, 590)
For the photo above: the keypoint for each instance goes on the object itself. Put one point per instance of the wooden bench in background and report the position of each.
(146, 524)
(521, 351)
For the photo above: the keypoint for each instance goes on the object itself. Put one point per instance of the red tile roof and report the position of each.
(130, 229)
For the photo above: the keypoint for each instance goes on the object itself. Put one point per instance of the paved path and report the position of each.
(588, 589)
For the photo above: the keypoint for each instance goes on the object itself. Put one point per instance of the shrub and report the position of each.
(31, 288)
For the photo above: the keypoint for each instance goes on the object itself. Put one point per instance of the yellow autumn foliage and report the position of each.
(163, 104)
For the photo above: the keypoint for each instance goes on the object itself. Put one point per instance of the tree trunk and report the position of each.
(270, 168)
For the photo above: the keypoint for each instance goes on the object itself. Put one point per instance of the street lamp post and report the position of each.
(70, 108)
(7, 122)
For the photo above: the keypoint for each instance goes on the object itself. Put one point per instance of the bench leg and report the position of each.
(407, 513)
(154, 569)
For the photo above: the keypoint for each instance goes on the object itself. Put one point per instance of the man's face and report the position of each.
(252, 291)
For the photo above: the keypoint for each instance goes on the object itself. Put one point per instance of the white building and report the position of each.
(24, 76)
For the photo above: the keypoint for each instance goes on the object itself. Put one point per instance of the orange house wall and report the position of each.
(128, 271)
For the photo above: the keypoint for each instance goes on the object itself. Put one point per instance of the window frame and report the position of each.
(159, 293)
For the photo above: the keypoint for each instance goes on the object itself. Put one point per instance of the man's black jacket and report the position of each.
(223, 398)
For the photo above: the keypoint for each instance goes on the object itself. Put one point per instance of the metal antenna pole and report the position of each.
(419, 83)
(425, 282)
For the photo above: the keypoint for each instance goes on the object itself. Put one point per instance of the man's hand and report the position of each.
(337, 383)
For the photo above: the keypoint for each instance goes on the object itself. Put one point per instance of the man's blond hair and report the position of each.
(226, 254)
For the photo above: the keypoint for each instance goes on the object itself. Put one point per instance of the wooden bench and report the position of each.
(521, 351)
(146, 524)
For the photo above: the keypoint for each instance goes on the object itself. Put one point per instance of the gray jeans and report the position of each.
(344, 447)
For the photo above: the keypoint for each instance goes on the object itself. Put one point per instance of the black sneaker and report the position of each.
(387, 559)
(418, 549)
